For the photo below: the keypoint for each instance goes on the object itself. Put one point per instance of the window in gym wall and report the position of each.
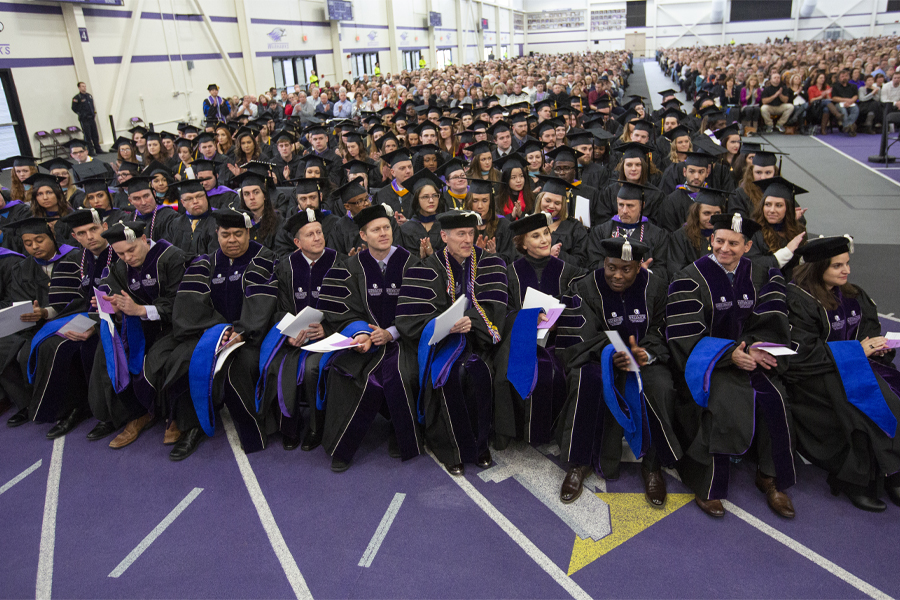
(760, 10)
(893, 6)
(292, 70)
(636, 13)
(13, 136)
(363, 64)
(444, 57)
(411, 59)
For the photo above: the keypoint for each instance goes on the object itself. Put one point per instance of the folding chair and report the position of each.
(47, 144)
(74, 132)
(59, 136)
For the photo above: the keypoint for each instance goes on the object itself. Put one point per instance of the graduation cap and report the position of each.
(211, 87)
(498, 127)
(387, 111)
(634, 150)
(284, 134)
(189, 129)
(643, 125)
(735, 222)
(308, 185)
(32, 225)
(313, 160)
(19, 161)
(726, 131)
(71, 144)
(426, 149)
(482, 186)
(168, 136)
(397, 156)
(56, 163)
(301, 219)
(157, 167)
(481, 147)
(354, 137)
(82, 217)
(698, 159)
(750, 147)
(625, 249)
(780, 188)
(766, 158)
(92, 185)
(130, 167)
(543, 104)
(139, 129)
(420, 179)
(451, 166)
(350, 190)
(376, 129)
(518, 106)
(677, 132)
(379, 143)
(531, 223)
(138, 183)
(495, 111)
(530, 145)
(676, 113)
(252, 177)
(456, 219)
(627, 116)
(518, 118)
(706, 144)
(554, 185)
(672, 103)
(314, 129)
(490, 99)
(124, 231)
(188, 186)
(824, 248)
(466, 137)
(228, 218)
(424, 127)
(632, 191)
(202, 164)
(434, 109)
(565, 110)
(357, 166)
(155, 137)
(245, 131)
(712, 197)
(184, 143)
(548, 125)
(479, 126)
(511, 161)
(565, 154)
(369, 214)
(422, 110)
(43, 179)
(669, 92)
(713, 115)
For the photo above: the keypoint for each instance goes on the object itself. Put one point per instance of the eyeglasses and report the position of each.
(430, 197)
(358, 202)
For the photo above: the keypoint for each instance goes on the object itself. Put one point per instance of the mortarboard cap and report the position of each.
(625, 249)
(124, 231)
(736, 222)
(531, 223)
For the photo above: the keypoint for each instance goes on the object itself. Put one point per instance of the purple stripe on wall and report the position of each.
(445, 29)
(415, 47)
(223, 19)
(102, 12)
(563, 31)
(151, 58)
(360, 26)
(17, 63)
(413, 28)
(289, 22)
(291, 53)
(39, 9)
(235, 55)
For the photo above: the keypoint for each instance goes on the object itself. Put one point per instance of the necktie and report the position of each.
(311, 265)
(383, 266)
(194, 224)
(730, 278)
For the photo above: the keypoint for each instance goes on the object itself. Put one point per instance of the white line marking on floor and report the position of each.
(518, 537)
(860, 163)
(48, 529)
(288, 564)
(380, 533)
(805, 552)
(889, 316)
(157, 531)
(21, 476)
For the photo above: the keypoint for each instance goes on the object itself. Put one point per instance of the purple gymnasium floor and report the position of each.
(862, 147)
(490, 536)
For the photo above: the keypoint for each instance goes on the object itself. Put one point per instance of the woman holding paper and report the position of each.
(843, 385)
(525, 407)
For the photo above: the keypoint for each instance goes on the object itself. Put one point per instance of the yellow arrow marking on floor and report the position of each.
(630, 514)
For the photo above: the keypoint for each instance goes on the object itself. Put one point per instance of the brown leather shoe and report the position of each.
(713, 508)
(132, 431)
(654, 486)
(172, 434)
(572, 485)
(779, 502)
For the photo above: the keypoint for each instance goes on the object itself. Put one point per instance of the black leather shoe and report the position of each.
(572, 485)
(654, 486)
(67, 424)
(311, 441)
(393, 444)
(456, 470)
(187, 444)
(18, 419)
(338, 465)
(100, 431)
(484, 461)
(290, 443)
(859, 496)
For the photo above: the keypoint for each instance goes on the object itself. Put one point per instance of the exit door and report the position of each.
(636, 43)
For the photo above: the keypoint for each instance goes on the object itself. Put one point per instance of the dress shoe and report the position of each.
(713, 508)
(5, 405)
(572, 485)
(654, 486)
(101, 430)
(456, 470)
(338, 465)
(290, 443)
(311, 441)
(172, 435)
(484, 461)
(132, 431)
(779, 502)
(393, 444)
(68, 423)
(18, 419)
(187, 444)
(858, 495)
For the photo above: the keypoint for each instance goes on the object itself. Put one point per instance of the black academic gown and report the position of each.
(589, 433)
(760, 253)
(153, 284)
(293, 165)
(410, 234)
(574, 237)
(397, 197)
(831, 431)
(240, 293)
(291, 375)
(159, 224)
(456, 412)
(384, 379)
(531, 418)
(198, 240)
(672, 214)
(9, 262)
(504, 239)
(595, 175)
(646, 232)
(284, 241)
(743, 407)
(10, 213)
(223, 197)
(267, 240)
(592, 194)
(682, 251)
(608, 206)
